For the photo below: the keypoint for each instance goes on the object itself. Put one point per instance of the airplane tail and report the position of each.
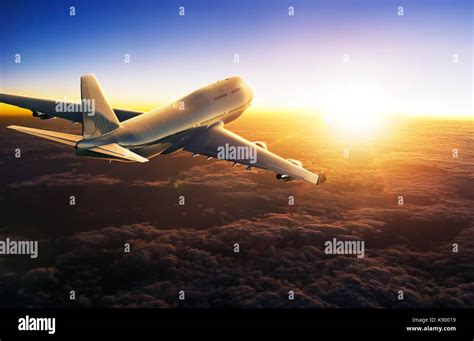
(98, 116)
(109, 151)
(98, 119)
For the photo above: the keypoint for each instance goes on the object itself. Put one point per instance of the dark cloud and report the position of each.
(191, 247)
(277, 254)
(66, 179)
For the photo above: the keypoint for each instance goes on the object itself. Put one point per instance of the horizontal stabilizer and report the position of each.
(69, 139)
(117, 151)
(112, 149)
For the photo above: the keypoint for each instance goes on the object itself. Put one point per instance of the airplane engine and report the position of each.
(261, 144)
(41, 116)
(284, 177)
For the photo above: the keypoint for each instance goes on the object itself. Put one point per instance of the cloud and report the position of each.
(278, 253)
(65, 179)
(218, 174)
(191, 247)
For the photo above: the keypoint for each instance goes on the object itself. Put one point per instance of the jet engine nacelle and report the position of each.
(41, 116)
(261, 144)
(284, 177)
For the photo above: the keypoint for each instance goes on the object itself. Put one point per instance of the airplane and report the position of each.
(194, 124)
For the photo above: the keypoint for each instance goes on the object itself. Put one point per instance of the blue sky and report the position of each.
(290, 62)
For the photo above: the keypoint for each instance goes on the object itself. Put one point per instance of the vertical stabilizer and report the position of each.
(98, 116)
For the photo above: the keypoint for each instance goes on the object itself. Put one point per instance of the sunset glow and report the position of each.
(351, 62)
(308, 162)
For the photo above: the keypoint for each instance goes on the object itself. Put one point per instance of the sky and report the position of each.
(396, 65)
(337, 57)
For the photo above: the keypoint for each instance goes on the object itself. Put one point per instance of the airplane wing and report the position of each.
(45, 108)
(216, 137)
(112, 149)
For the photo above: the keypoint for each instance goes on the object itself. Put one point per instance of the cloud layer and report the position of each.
(191, 247)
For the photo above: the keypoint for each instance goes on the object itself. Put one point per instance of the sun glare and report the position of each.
(354, 111)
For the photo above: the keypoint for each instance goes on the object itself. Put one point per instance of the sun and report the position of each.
(354, 110)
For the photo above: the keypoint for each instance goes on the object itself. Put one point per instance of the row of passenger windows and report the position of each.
(220, 96)
(226, 94)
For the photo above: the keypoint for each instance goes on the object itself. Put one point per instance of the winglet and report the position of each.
(321, 178)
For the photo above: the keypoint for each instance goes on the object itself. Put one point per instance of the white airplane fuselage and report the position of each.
(193, 124)
(149, 134)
